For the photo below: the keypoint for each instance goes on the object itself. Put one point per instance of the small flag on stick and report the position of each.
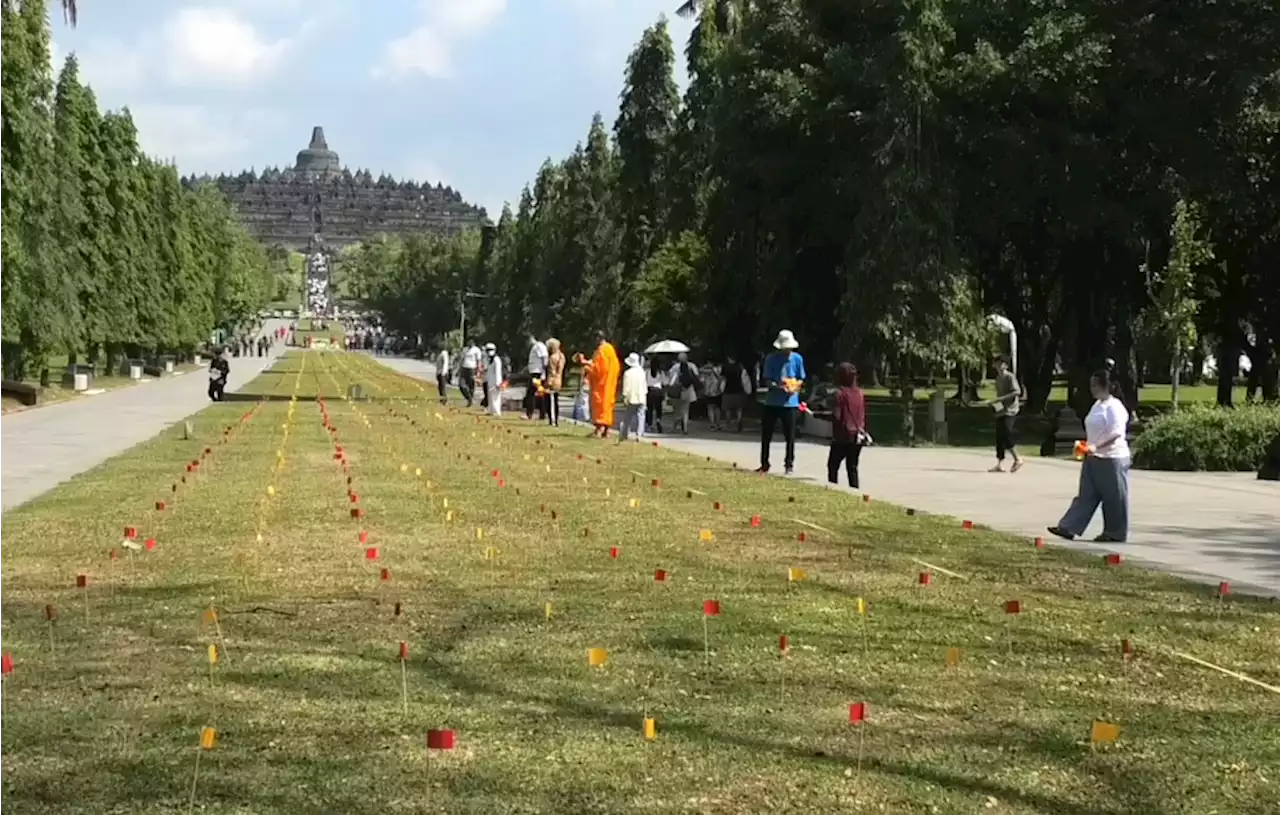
(596, 657)
(1112, 559)
(660, 575)
(857, 713)
(208, 738)
(650, 729)
(711, 608)
(6, 663)
(953, 657)
(1013, 607)
(613, 552)
(706, 535)
(1103, 732)
(371, 553)
(440, 739)
(925, 578)
(795, 575)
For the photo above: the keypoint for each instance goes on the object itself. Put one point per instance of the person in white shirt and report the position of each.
(493, 379)
(442, 374)
(470, 362)
(635, 393)
(1104, 473)
(537, 369)
(684, 376)
(712, 389)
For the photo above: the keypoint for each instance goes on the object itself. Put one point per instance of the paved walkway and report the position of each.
(43, 447)
(1204, 526)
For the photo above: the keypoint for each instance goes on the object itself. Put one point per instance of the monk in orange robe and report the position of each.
(602, 377)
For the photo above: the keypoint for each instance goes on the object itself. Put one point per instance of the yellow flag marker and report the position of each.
(279, 453)
(271, 490)
(418, 472)
(213, 654)
(259, 536)
(547, 610)
(541, 459)
(862, 607)
(429, 484)
(490, 553)
(795, 575)
(607, 492)
(208, 738)
(1103, 732)
(448, 516)
(404, 468)
(635, 502)
(650, 730)
(704, 535)
(209, 617)
(596, 657)
(479, 533)
(526, 456)
(953, 656)
(548, 468)
(445, 503)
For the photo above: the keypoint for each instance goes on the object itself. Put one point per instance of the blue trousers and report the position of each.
(1103, 481)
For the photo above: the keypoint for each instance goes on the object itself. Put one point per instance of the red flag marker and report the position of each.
(688, 493)
(599, 461)
(355, 498)
(385, 575)
(1126, 648)
(208, 451)
(159, 506)
(337, 456)
(6, 663)
(579, 456)
(1039, 543)
(50, 613)
(404, 651)
(784, 644)
(718, 506)
(364, 536)
(925, 579)
(82, 581)
(357, 512)
(1013, 607)
(613, 552)
(542, 508)
(857, 712)
(655, 444)
(657, 482)
(554, 515)
(966, 524)
(660, 575)
(150, 544)
(440, 739)
(711, 608)
(184, 478)
(501, 483)
(802, 537)
(755, 521)
(130, 532)
(113, 554)
(586, 531)
(371, 553)
(494, 473)
(173, 487)
(398, 610)
(1224, 588)
(866, 499)
(1112, 559)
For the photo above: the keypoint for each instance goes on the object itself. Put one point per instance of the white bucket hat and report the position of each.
(488, 346)
(632, 360)
(786, 341)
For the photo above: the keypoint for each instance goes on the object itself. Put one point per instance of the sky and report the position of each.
(471, 93)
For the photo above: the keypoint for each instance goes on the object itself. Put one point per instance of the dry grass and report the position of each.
(308, 705)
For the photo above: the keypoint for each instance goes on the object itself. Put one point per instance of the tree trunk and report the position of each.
(1228, 369)
(1175, 376)
(906, 394)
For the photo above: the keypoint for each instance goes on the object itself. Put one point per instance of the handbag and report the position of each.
(864, 438)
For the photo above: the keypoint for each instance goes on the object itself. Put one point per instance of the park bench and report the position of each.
(24, 392)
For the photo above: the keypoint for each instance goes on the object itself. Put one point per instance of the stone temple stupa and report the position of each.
(318, 201)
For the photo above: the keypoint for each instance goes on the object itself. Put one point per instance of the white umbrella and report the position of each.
(667, 347)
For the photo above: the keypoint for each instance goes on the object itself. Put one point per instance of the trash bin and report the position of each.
(80, 382)
(135, 369)
(938, 416)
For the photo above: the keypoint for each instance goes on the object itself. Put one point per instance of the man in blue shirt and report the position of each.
(783, 375)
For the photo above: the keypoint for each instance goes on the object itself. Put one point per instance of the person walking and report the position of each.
(1104, 473)
(848, 426)
(469, 364)
(601, 377)
(634, 396)
(783, 374)
(656, 385)
(537, 369)
(442, 374)
(554, 382)
(493, 380)
(684, 377)
(219, 370)
(1005, 404)
(712, 380)
(736, 387)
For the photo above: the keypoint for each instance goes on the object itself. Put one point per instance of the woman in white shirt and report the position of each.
(1104, 474)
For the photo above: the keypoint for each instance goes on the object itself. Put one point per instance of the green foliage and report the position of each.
(104, 250)
(1203, 437)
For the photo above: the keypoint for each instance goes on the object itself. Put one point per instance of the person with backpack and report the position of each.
(736, 387)
(783, 374)
(219, 370)
(684, 380)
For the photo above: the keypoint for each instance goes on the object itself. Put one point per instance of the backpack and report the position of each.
(688, 376)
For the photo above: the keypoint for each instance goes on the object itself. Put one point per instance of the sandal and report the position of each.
(996, 469)
(1017, 465)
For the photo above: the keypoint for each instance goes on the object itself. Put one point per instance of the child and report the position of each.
(848, 426)
(634, 395)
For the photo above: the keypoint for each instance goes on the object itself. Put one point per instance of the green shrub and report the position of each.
(1206, 437)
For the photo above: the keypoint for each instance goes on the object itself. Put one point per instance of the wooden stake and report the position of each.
(404, 687)
(195, 777)
(706, 639)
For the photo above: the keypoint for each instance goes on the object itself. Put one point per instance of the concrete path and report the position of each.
(1205, 526)
(41, 448)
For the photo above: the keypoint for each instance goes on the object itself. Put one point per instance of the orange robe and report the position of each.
(602, 376)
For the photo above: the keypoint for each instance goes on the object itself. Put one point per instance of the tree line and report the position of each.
(105, 253)
(880, 176)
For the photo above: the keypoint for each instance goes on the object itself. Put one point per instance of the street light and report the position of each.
(1005, 325)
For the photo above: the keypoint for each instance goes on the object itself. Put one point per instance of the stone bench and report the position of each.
(25, 393)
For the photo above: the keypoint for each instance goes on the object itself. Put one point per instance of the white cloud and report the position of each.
(197, 138)
(217, 46)
(109, 66)
(429, 48)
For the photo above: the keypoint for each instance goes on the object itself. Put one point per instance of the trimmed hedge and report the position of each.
(1207, 437)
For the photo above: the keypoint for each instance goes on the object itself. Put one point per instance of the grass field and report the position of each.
(104, 708)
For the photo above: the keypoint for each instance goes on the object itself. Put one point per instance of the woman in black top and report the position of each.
(734, 399)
